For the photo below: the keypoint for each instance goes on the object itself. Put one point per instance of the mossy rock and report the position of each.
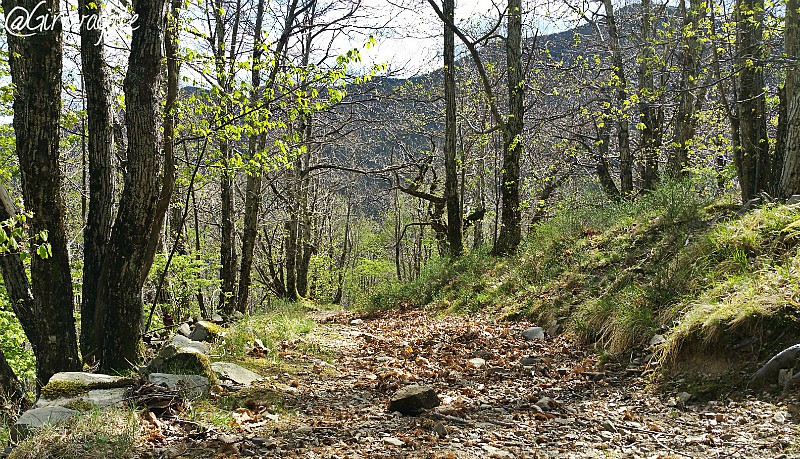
(206, 331)
(64, 389)
(181, 361)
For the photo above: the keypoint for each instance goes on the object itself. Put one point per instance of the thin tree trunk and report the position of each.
(511, 220)
(10, 387)
(648, 110)
(621, 84)
(143, 204)
(35, 63)
(752, 156)
(689, 56)
(101, 181)
(451, 195)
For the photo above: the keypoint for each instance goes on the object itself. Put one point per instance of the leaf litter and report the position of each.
(502, 396)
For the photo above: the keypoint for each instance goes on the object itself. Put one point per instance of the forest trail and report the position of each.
(561, 403)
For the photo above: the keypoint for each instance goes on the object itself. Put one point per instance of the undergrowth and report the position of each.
(677, 261)
(281, 321)
(110, 433)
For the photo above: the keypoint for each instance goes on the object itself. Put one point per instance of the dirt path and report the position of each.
(560, 404)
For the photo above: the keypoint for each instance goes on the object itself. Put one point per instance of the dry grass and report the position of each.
(111, 433)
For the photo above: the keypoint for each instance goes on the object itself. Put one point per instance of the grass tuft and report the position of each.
(110, 433)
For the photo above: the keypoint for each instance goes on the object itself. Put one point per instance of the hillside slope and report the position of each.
(712, 281)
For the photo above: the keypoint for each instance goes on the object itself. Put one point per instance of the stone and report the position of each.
(237, 315)
(356, 322)
(412, 399)
(206, 331)
(94, 398)
(192, 386)
(533, 333)
(393, 441)
(72, 384)
(440, 430)
(546, 403)
(794, 199)
(528, 361)
(683, 397)
(182, 342)
(38, 417)
(184, 360)
(234, 373)
(477, 362)
(91, 380)
(185, 329)
(216, 318)
(657, 339)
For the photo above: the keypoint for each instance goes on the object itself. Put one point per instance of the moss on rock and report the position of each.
(59, 389)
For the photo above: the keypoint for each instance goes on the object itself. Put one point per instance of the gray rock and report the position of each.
(236, 374)
(793, 200)
(533, 333)
(182, 342)
(546, 404)
(38, 417)
(356, 322)
(477, 362)
(413, 399)
(684, 397)
(193, 386)
(657, 339)
(202, 331)
(393, 441)
(172, 359)
(185, 329)
(528, 361)
(99, 398)
(91, 380)
(217, 319)
(237, 315)
(440, 430)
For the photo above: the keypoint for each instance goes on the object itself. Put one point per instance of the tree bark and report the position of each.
(451, 195)
(10, 387)
(17, 286)
(142, 207)
(790, 175)
(689, 56)
(101, 182)
(752, 156)
(648, 109)
(35, 63)
(621, 84)
(511, 220)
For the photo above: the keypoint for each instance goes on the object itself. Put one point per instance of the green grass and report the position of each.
(283, 321)
(110, 433)
(617, 273)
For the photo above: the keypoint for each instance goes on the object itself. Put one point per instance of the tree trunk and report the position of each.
(790, 175)
(142, 207)
(689, 56)
(511, 220)
(602, 169)
(623, 132)
(35, 63)
(10, 387)
(227, 270)
(18, 288)
(648, 109)
(101, 181)
(451, 195)
(752, 156)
